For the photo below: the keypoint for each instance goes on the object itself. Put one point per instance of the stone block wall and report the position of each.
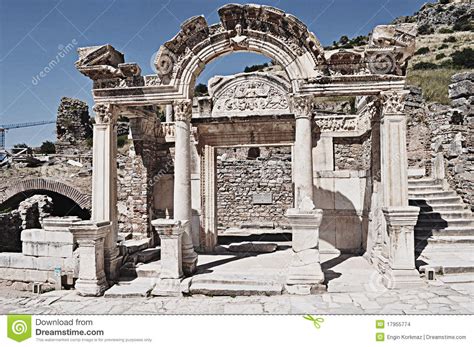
(73, 126)
(352, 153)
(458, 141)
(243, 172)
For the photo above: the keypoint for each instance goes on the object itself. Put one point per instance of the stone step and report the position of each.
(421, 182)
(457, 278)
(432, 194)
(150, 270)
(435, 200)
(438, 223)
(138, 288)
(449, 231)
(425, 188)
(234, 285)
(441, 207)
(446, 215)
(443, 239)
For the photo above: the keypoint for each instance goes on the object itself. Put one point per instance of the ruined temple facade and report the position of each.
(260, 148)
(352, 205)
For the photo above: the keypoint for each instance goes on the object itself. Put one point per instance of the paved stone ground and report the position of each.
(432, 299)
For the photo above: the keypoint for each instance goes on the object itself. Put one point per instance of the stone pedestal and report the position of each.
(170, 233)
(305, 275)
(90, 237)
(400, 271)
(182, 181)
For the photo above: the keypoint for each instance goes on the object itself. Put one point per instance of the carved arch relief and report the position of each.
(249, 94)
(253, 28)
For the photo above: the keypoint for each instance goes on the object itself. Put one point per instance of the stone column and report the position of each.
(303, 161)
(208, 237)
(169, 113)
(104, 182)
(90, 238)
(401, 218)
(305, 275)
(170, 233)
(182, 180)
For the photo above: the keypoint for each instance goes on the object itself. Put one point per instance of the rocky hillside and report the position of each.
(444, 46)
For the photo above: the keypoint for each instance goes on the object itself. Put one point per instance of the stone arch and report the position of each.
(252, 28)
(82, 200)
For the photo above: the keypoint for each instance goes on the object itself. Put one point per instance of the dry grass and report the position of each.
(433, 82)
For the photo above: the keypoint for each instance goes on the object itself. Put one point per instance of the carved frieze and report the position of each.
(249, 94)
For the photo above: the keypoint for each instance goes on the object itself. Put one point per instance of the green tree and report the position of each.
(47, 147)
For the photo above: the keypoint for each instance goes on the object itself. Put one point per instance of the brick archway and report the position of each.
(81, 199)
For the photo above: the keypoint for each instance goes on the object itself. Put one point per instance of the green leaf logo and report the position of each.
(19, 327)
(316, 321)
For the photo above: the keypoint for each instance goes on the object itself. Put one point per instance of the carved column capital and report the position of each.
(393, 102)
(105, 113)
(183, 110)
(301, 106)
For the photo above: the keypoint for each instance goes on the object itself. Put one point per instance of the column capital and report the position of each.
(105, 113)
(393, 102)
(301, 106)
(183, 110)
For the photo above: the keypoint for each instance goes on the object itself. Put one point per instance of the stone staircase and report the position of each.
(444, 233)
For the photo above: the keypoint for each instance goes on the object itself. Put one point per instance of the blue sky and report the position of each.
(33, 32)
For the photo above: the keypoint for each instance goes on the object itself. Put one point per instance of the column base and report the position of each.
(190, 266)
(167, 287)
(309, 274)
(400, 279)
(112, 267)
(91, 287)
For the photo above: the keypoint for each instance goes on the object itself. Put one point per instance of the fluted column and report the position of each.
(182, 180)
(104, 182)
(305, 275)
(303, 159)
(399, 252)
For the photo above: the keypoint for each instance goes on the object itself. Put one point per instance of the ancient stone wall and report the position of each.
(352, 153)
(418, 131)
(253, 185)
(73, 126)
(458, 140)
(10, 230)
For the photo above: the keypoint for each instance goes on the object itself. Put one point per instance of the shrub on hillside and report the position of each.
(423, 65)
(450, 39)
(425, 29)
(445, 31)
(464, 58)
(440, 56)
(422, 50)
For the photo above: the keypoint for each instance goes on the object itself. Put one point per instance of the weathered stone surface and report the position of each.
(134, 246)
(148, 255)
(73, 126)
(257, 247)
(138, 288)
